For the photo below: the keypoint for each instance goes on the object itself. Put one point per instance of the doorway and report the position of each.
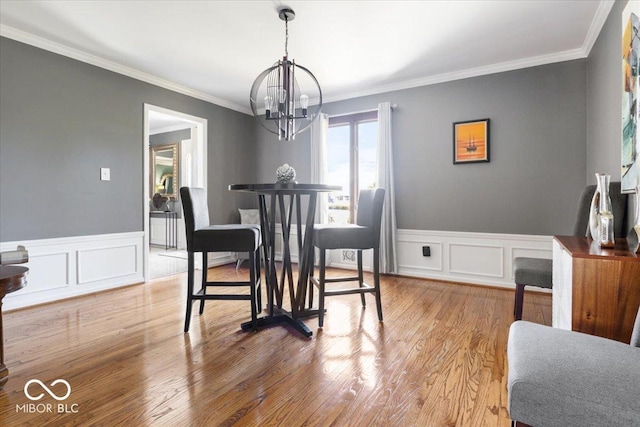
(164, 237)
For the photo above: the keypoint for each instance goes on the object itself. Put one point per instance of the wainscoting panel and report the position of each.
(476, 260)
(70, 266)
(410, 252)
(48, 271)
(479, 258)
(106, 263)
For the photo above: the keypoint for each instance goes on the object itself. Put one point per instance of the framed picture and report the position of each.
(630, 138)
(471, 141)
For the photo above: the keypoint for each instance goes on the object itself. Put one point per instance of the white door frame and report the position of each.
(199, 177)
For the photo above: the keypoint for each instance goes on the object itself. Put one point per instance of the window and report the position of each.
(351, 161)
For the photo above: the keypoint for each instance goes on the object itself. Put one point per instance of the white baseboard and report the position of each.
(71, 266)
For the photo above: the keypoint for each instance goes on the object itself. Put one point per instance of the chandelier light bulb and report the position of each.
(282, 98)
(268, 105)
(304, 104)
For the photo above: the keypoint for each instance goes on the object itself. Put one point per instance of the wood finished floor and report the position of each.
(439, 359)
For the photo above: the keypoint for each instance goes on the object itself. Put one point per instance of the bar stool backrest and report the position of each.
(196, 211)
(369, 214)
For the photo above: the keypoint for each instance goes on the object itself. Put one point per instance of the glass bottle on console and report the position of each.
(606, 236)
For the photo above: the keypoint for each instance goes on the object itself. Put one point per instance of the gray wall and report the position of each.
(169, 137)
(604, 73)
(603, 92)
(538, 151)
(62, 120)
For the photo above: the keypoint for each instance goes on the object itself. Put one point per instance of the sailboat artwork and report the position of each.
(471, 146)
(471, 141)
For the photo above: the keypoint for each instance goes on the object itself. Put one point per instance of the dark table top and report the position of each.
(291, 188)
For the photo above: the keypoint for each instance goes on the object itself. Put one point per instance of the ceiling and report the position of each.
(213, 50)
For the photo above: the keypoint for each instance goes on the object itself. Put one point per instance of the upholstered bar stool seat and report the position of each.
(228, 238)
(347, 236)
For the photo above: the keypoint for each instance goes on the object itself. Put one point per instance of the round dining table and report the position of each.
(284, 199)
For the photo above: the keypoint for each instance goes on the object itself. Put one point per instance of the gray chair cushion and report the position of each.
(635, 334)
(227, 238)
(343, 237)
(563, 378)
(533, 272)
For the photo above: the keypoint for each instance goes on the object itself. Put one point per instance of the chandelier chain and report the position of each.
(286, 38)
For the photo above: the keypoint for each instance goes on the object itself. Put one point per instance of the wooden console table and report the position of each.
(595, 291)
(12, 278)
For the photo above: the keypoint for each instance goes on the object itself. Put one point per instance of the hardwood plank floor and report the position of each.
(439, 359)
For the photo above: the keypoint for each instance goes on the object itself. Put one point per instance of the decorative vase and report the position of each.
(633, 238)
(285, 174)
(606, 236)
(592, 227)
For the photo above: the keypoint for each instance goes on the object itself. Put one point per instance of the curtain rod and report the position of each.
(393, 107)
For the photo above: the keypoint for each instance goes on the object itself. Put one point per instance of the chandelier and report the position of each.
(278, 90)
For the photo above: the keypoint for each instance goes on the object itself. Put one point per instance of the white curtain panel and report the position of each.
(319, 131)
(388, 230)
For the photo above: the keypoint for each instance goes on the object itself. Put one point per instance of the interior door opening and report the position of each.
(174, 155)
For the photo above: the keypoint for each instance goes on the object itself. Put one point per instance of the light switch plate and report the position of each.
(105, 174)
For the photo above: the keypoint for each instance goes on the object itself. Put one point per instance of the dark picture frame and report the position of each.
(471, 141)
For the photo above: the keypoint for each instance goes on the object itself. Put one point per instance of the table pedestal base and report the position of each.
(278, 201)
(284, 317)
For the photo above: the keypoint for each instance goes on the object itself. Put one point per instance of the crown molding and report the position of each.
(594, 30)
(51, 46)
(600, 18)
(463, 74)
(596, 25)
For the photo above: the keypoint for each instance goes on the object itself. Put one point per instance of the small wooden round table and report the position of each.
(12, 278)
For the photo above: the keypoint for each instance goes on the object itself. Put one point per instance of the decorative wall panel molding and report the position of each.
(478, 258)
(66, 267)
(71, 266)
